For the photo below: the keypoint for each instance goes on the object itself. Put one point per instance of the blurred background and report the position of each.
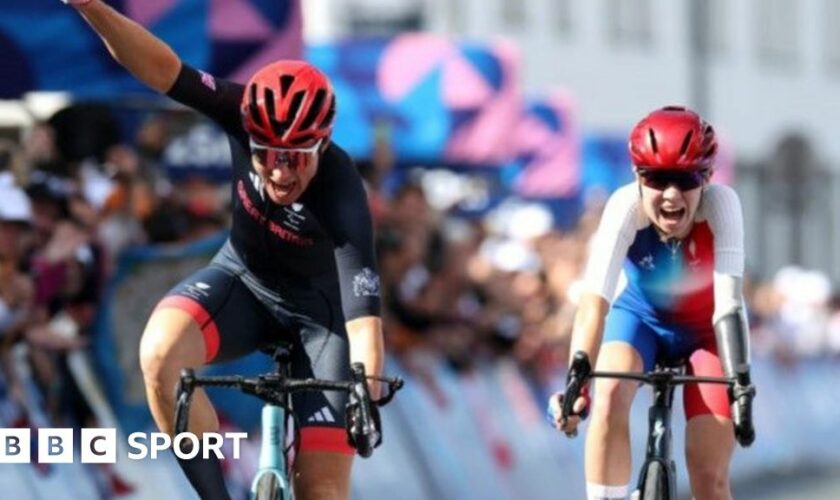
(490, 133)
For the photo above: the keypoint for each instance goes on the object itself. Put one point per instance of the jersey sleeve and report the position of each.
(350, 226)
(722, 210)
(609, 245)
(216, 98)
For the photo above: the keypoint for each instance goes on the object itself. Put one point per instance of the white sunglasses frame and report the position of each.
(315, 148)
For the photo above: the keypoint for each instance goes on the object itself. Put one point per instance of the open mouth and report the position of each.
(282, 189)
(673, 215)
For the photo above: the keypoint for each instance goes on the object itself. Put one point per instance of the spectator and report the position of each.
(16, 286)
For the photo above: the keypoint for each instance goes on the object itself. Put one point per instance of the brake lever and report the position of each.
(394, 385)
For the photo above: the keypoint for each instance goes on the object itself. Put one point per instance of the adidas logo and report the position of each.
(322, 415)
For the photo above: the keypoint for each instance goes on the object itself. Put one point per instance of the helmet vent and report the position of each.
(286, 82)
(686, 142)
(652, 137)
(269, 102)
(253, 109)
(314, 109)
(294, 106)
(327, 121)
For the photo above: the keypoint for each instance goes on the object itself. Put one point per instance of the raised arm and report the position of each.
(144, 55)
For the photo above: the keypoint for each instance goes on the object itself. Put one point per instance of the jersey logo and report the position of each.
(692, 251)
(294, 219)
(647, 263)
(208, 81)
(322, 415)
(366, 283)
(196, 291)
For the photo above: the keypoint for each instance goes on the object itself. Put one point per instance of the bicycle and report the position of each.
(271, 481)
(658, 476)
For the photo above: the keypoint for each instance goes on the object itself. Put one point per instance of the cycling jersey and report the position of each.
(663, 292)
(670, 281)
(326, 233)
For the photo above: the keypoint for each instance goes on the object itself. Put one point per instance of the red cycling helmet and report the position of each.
(673, 137)
(288, 104)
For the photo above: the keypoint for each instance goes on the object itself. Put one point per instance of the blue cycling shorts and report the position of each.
(657, 341)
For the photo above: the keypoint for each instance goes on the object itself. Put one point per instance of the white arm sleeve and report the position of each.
(722, 210)
(608, 247)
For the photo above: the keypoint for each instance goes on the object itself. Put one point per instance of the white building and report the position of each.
(773, 65)
(762, 69)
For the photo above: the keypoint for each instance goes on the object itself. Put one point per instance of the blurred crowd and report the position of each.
(465, 289)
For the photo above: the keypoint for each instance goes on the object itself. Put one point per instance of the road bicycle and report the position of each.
(271, 481)
(658, 476)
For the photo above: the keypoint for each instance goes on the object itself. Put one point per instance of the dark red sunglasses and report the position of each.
(684, 180)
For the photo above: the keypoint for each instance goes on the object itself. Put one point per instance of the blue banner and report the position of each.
(48, 46)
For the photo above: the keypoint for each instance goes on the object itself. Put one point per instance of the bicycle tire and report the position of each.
(656, 483)
(268, 488)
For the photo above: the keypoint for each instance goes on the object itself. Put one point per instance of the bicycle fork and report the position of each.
(658, 447)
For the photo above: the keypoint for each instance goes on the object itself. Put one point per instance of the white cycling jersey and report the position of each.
(696, 279)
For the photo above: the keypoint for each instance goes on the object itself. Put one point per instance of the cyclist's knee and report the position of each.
(708, 479)
(612, 401)
(169, 343)
(320, 475)
(708, 467)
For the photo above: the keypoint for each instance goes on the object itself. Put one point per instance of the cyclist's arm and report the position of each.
(144, 55)
(608, 249)
(588, 328)
(349, 223)
(367, 346)
(722, 209)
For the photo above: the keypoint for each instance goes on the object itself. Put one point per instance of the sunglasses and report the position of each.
(294, 158)
(683, 180)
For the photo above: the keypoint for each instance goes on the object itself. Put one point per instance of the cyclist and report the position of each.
(299, 263)
(679, 241)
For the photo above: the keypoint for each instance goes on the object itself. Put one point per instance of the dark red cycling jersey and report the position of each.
(327, 233)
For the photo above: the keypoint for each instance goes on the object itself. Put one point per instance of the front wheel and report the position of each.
(268, 488)
(656, 484)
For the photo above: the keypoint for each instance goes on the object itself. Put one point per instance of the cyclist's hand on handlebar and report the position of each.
(580, 411)
(567, 414)
(363, 440)
(741, 396)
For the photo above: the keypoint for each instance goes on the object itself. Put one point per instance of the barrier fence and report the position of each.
(479, 435)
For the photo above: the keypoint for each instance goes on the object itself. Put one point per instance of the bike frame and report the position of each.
(273, 440)
(664, 380)
(272, 450)
(275, 390)
(659, 448)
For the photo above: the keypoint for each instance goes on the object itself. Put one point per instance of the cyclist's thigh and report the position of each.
(324, 353)
(625, 328)
(231, 319)
(706, 399)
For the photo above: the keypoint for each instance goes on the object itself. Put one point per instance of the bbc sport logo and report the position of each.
(99, 445)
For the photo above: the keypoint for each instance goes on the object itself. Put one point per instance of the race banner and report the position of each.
(48, 46)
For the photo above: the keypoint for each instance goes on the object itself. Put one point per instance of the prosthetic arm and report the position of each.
(733, 341)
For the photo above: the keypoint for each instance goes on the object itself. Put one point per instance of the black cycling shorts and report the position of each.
(238, 315)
